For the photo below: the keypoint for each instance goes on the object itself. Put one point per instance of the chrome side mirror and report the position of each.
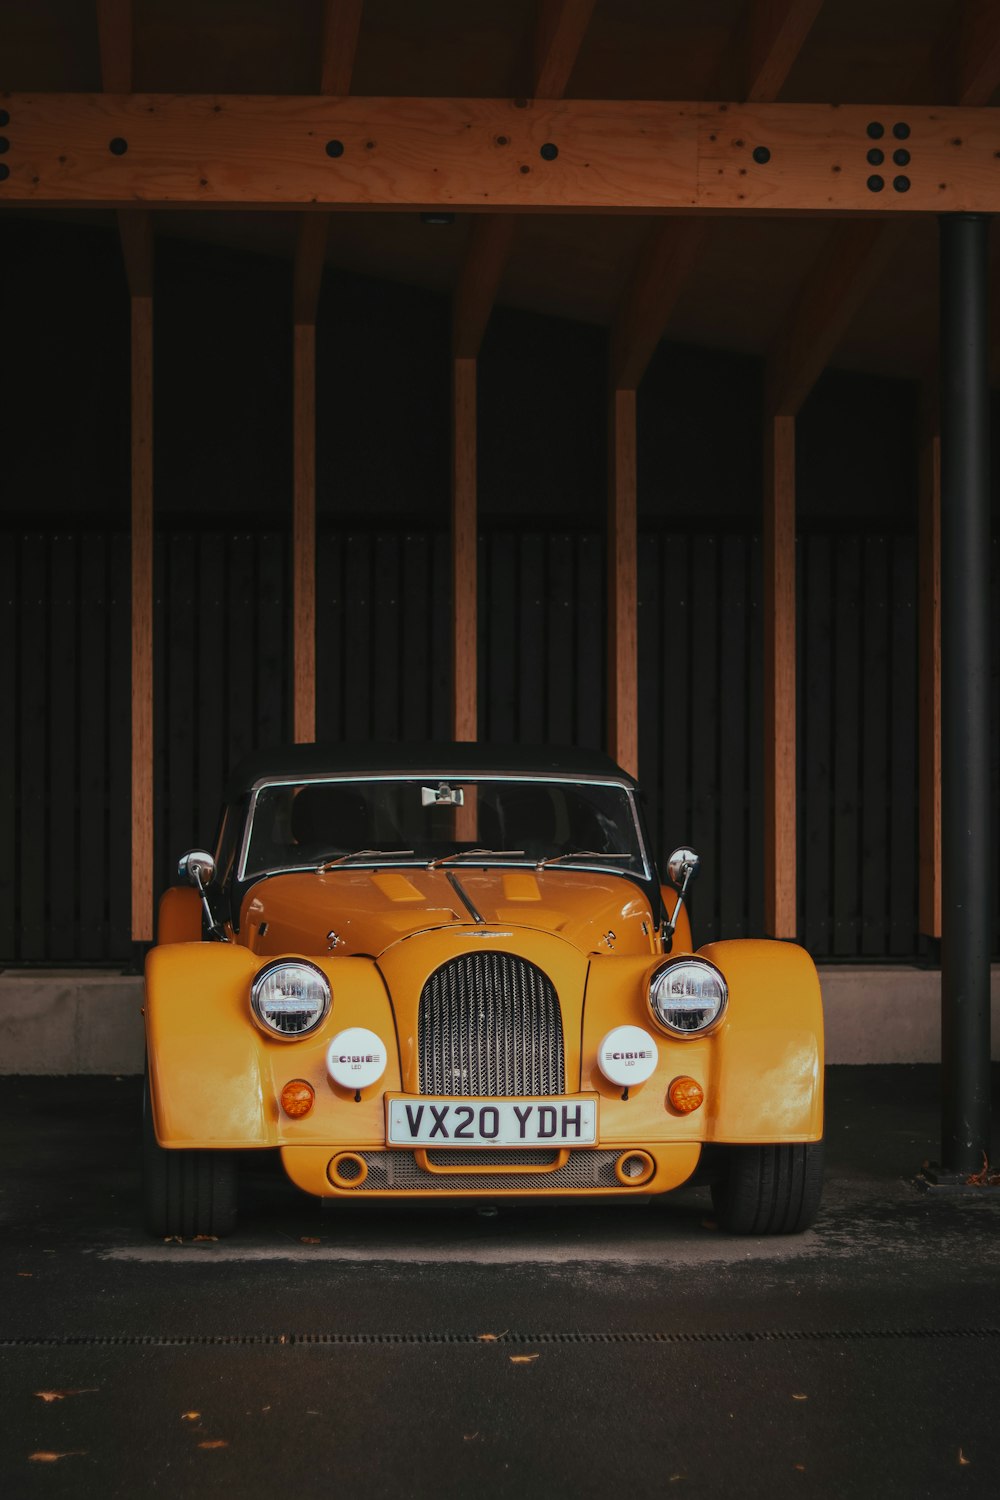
(197, 867)
(682, 867)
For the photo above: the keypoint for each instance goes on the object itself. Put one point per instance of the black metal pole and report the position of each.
(965, 681)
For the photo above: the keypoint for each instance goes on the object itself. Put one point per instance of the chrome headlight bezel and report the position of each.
(259, 1001)
(706, 970)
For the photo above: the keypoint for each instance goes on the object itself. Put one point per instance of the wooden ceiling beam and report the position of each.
(114, 33)
(668, 256)
(341, 28)
(855, 257)
(559, 33)
(776, 32)
(978, 55)
(114, 150)
(475, 292)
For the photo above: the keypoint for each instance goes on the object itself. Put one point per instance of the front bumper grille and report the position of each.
(489, 1024)
(397, 1171)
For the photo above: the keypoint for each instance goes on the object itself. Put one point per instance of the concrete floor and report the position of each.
(332, 1352)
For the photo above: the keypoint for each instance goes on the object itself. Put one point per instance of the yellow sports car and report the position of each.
(452, 970)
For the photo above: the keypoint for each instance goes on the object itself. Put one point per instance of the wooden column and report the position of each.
(623, 677)
(464, 635)
(929, 660)
(137, 244)
(304, 532)
(779, 677)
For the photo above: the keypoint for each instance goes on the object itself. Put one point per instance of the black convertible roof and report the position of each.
(439, 758)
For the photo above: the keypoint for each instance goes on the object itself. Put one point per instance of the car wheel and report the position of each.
(185, 1192)
(769, 1189)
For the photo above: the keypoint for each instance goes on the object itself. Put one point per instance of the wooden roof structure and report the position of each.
(758, 175)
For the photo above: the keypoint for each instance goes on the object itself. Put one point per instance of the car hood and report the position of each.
(370, 910)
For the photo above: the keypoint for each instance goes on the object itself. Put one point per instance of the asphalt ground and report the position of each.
(436, 1351)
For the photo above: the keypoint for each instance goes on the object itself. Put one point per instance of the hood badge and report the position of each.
(609, 938)
(333, 940)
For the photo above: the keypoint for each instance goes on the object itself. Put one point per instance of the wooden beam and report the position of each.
(780, 918)
(929, 659)
(667, 259)
(623, 673)
(114, 36)
(464, 552)
(855, 257)
(558, 37)
(777, 30)
(978, 61)
(482, 269)
(485, 155)
(341, 28)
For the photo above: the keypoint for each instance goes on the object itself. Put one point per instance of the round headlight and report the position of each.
(290, 998)
(687, 997)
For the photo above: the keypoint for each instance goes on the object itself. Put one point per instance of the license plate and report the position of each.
(414, 1120)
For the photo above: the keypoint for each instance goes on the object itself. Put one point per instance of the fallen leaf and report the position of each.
(801, 1468)
(203, 1238)
(172, 1239)
(311, 1413)
(491, 1338)
(309, 1239)
(61, 1395)
(214, 1443)
(962, 1459)
(25, 1273)
(522, 1359)
(469, 1437)
(797, 1397)
(190, 1416)
(52, 1458)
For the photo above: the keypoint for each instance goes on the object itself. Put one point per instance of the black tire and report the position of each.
(769, 1189)
(185, 1192)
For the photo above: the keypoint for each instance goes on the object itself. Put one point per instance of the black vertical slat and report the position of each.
(10, 885)
(676, 702)
(732, 738)
(241, 646)
(92, 874)
(357, 639)
(440, 636)
(846, 746)
(903, 797)
(212, 751)
(181, 729)
(503, 638)
(119, 874)
(272, 726)
(994, 810)
(874, 801)
(33, 737)
(162, 646)
(590, 665)
(386, 637)
(704, 726)
(650, 681)
(755, 737)
(61, 733)
(815, 782)
(532, 643)
(414, 630)
(561, 643)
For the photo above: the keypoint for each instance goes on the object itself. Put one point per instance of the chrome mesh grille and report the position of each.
(490, 1025)
(397, 1171)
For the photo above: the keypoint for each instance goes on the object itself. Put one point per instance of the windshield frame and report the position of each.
(508, 861)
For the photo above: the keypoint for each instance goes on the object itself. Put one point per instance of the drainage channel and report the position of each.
(763, 1336)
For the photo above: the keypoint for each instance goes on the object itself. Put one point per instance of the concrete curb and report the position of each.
(86, 1022)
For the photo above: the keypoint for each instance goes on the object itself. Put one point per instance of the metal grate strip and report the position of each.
(489, 1024)
(397, 1171)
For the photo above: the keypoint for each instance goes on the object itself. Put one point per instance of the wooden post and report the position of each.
(929, 660)
(779, 677)
(142, 619)
(623, 681)
(464, 705)
(304, 532)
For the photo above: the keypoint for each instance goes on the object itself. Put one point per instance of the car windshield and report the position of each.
(423, 820)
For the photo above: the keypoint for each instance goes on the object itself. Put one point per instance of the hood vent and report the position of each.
(490, 1025)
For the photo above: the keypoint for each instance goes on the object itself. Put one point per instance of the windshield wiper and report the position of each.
(344, 859)
(446, 859)
(559, 859)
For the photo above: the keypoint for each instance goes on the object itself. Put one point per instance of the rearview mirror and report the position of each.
(197, 867)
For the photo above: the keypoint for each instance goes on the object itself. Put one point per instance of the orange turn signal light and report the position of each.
(685, 1095)
(297, 1098)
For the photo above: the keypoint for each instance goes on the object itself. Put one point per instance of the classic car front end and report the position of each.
(462, 978)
